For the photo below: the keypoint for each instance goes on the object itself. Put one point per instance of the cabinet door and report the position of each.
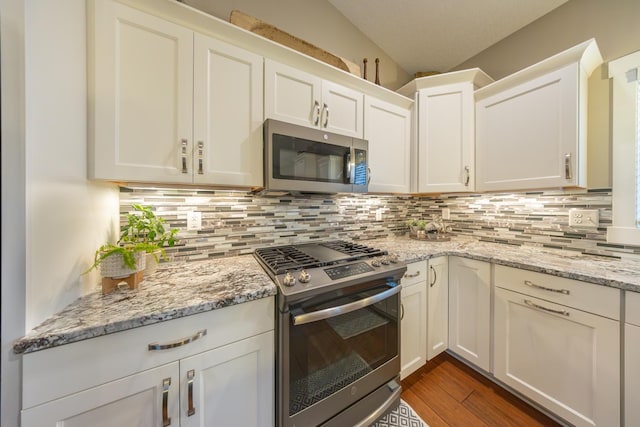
(141, 88)
(632, 374)
(438, 307)
(446, 138)
(227, 114)
(528, 136)
(136, 400)
(387, 127)
(291, 95)
(470, 310)
(565, 359)
(342, 110)
(231, 385)
(413, 328)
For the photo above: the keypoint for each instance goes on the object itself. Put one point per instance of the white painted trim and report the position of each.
(624, 146)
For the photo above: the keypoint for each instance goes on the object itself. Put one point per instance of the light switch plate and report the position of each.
(584, 218)
(194, 221)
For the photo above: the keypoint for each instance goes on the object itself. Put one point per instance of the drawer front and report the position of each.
(416, 273)
(584, 296)
(633, 308)
(59, 371)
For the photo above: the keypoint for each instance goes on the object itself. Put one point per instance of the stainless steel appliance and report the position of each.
(300, 159)
(338, 332)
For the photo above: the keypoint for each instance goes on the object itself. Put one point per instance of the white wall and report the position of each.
(319, 23)
(53, 219)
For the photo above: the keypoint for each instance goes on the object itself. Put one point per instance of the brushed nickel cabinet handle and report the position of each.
(567, 166)
(316, 109)
(435, 276)
(467, 173)
(325, 108)
(369, 176)
(544, 288)
(190, 376)
(401, 311)
(200, 157)
(178, 343)
(550, 310)
(410, 276)
(183, 153)
(166, 420)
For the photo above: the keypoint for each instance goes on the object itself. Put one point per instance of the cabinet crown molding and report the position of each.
(586, 54)
(473, 75)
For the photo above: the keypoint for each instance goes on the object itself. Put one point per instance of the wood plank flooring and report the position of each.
(446, 392)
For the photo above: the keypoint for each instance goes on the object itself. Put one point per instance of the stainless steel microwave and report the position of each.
(300, 159)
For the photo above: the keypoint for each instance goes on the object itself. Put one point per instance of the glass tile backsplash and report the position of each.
(236, 223)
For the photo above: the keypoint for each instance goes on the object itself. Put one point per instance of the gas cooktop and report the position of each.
(303, 269)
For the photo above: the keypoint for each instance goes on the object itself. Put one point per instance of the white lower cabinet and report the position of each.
(224, 377)
(632, 360)
(438, 307)
(553, 351)
(470, 310)
(413, 319)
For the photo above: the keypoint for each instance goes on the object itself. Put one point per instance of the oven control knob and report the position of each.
(304, 277)
(375, 263)
(288, 279)
(393, 258)
(385, 260)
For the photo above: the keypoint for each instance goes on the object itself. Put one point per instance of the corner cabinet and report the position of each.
(294, 96)
(557, 341)
(413, 318)
(631, 358)
(387, 127)
(169, 105)
(445, 146)
(216, 376)
(531, 126)
(470, 310)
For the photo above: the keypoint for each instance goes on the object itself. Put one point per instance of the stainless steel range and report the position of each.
(338, 332)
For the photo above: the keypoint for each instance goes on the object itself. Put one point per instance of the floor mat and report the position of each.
(404, 416)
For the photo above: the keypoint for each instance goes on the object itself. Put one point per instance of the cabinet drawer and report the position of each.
(416, 273)
(633, 308)
(59, 371)
(584, 296)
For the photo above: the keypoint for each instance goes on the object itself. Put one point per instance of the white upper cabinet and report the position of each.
(387, 127)
(228, 114)
(531, 126)
(157, 117)
(445, 148)
(298, 97)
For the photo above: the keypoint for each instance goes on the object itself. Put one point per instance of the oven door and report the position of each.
(336, 349)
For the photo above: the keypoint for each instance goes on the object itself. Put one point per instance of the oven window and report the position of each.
(328, 355)
(301, 159)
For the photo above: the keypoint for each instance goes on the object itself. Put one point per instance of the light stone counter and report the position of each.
(613, 272)
(182, 289)
(174, 290)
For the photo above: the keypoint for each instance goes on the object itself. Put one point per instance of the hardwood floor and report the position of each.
(445, 392)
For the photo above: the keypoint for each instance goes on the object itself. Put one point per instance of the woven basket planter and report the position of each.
(114, 267)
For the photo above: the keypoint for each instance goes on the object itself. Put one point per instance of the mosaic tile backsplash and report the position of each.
(235, 223)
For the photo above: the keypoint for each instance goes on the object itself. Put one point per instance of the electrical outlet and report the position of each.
(194, 221)
(446, 213)
(584, 218)
(379, 214)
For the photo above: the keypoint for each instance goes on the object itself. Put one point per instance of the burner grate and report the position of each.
(352, 249)
(283, 258)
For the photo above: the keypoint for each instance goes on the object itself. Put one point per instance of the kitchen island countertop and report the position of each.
(181, 289)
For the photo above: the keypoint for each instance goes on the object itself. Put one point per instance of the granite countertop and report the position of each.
(175, 290)
(181, 289)
(607, 271)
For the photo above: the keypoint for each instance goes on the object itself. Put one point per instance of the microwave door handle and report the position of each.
(351, 169)
(327, 313)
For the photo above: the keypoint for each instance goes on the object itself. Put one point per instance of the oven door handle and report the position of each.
(327, 313)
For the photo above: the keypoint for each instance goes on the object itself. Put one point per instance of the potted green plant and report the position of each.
(141, 242)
